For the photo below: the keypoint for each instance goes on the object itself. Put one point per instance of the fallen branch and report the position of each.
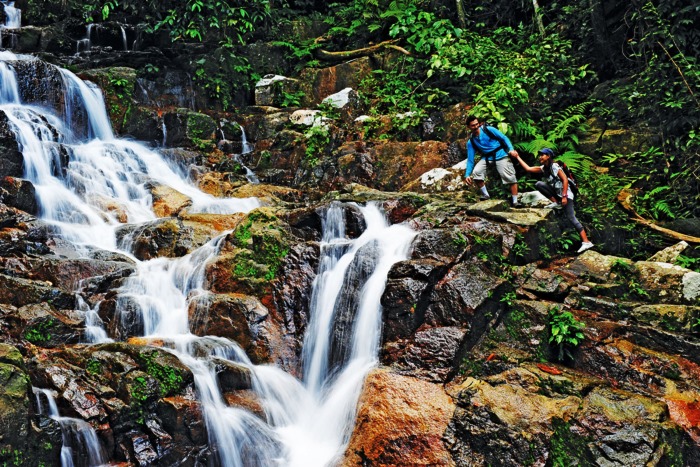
(363, 52)
(625, 199)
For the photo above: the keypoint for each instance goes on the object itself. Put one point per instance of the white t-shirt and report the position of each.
(553, 180)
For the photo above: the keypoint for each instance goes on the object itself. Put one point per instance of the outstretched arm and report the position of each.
(534, 170)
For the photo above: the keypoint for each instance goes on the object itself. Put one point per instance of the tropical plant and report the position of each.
(565, 332)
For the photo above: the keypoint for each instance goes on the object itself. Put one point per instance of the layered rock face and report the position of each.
(467, 375)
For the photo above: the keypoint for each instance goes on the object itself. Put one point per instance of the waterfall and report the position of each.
(124, 43)
(246, 148)
(84, 44)
(13, 16)
(80, 443)
(89, 183)
(313, 419)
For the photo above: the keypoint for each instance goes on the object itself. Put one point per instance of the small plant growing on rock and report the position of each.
(565, 332)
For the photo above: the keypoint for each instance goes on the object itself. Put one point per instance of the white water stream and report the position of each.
(103, 185)
(80, 443)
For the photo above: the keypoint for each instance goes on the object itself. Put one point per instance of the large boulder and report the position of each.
(400, 421)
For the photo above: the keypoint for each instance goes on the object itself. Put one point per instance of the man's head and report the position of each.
(545, 155)
(473, 123)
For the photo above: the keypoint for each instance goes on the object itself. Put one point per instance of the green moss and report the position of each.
(170, 379)
(200, 126)
(11, 457)
(94, 367)
(264, 246)
(567, 448)
(674, 444)
(40, 332)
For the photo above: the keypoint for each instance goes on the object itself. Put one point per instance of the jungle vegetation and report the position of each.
(542, 71)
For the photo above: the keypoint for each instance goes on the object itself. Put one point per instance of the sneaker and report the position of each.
(484, 198)
(516, 205)
(553, 206)
(585, 246)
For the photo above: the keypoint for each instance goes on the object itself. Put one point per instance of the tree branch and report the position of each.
(625, 199)
(350, 54)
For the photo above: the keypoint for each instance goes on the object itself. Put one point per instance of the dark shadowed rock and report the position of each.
(430, 354)
(292, 295)
(348, 303)
(12, 161)
(19, 194)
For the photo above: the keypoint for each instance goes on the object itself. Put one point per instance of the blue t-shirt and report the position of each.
(486, 145)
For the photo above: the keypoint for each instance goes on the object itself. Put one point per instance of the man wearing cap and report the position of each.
(556, 189)
(492, 145)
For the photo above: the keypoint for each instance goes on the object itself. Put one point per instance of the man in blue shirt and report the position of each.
(490, 142)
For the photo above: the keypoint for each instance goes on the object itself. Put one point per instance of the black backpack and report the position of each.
(570, 175)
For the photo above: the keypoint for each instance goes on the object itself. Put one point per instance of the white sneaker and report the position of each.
(553, 206)
(585, 246)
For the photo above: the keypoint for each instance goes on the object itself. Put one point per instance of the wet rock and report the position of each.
(189, 129)
(67, 274)
(167, 237)
(467, 295)
(19, 194)
(12, 162)
(676, 318)
(244, 320)
(232, 376)
(269, 89)
(19, 292)
(41, 83)
(348, 303)
(503, 424)
(292, 296)
(251, 256)
(669, 283)
(406, 296)
(547, 284)
(400, 421)
(403, 162)
(14, 399)
(347, 101)
(430, 354)
(438, 180)
(168, 202)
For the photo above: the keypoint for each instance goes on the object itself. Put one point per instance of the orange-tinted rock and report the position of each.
(400, 422)
(686, 413)
(167, 201)
(321, 83)
(403, 162)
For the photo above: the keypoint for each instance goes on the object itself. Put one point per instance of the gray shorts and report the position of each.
(503, 166)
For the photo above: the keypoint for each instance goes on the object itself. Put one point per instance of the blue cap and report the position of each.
(546, 151)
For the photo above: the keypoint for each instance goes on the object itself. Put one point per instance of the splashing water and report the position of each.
(88, 187)
(13, 16)
(80, 443)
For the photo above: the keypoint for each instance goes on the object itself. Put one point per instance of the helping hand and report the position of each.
(469, 181)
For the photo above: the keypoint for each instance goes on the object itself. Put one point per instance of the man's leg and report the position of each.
(479, 174)
(507, 172)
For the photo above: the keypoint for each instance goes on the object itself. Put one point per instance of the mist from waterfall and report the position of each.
(88, 187)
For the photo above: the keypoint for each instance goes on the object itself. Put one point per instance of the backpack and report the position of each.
(570, 175)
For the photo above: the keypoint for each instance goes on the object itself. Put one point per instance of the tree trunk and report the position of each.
(538, 17)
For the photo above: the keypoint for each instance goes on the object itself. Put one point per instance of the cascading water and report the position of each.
(80, 443)
(103, 185)
(13, 16)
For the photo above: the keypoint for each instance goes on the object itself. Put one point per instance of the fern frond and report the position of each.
(581, 164)
(535, 145)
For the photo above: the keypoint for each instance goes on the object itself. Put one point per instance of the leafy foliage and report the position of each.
(565, 332)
